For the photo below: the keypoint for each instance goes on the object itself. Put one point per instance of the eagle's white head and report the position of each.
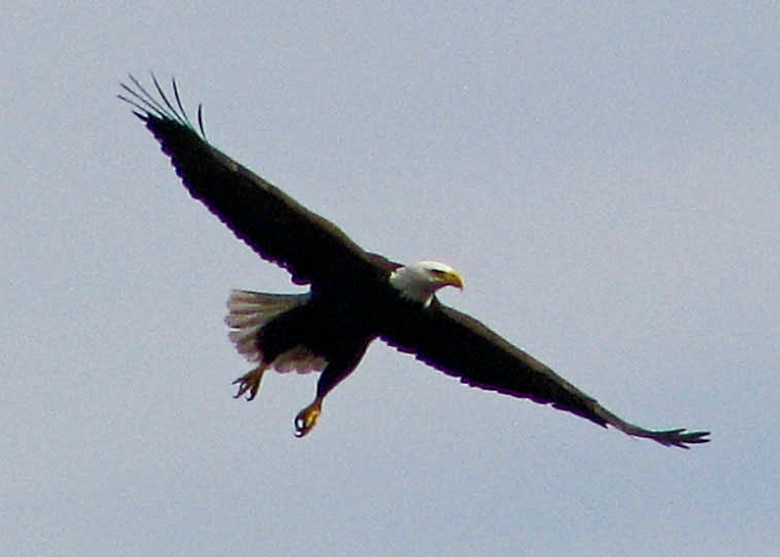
(420, 281)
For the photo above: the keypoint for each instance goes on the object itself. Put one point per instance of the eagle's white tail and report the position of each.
(249, 312)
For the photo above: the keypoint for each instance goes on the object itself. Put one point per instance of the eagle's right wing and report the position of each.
(272, 223)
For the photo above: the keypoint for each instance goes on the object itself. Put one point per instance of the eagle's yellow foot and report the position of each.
(307, 418)
(249, 384)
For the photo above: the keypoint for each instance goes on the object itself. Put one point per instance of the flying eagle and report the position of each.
(354, 296)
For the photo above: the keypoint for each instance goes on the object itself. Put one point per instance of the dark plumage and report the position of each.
(355, 297)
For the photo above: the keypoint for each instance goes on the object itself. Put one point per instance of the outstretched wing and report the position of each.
(462, 347)
(273, 224)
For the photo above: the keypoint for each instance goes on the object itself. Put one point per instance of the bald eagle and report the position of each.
(354, 297)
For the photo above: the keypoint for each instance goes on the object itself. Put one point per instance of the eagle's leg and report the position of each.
(307, 418)
(335, 372)
(249, 383)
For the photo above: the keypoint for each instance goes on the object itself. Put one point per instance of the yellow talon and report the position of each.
(307, 418)
(250, 382)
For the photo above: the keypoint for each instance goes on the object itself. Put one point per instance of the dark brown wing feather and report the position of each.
(273, 224)
(462, 347)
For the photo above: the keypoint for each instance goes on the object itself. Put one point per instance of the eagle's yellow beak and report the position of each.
(452, 278)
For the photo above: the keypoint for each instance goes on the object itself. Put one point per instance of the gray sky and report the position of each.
(604, 176)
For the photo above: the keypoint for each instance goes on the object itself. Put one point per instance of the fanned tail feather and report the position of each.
(249, 312)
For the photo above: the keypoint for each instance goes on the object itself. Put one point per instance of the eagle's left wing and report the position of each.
(462, 347)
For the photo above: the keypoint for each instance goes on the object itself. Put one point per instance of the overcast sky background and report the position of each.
(606, 178)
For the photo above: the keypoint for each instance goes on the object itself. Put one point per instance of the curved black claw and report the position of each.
(249, 383)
